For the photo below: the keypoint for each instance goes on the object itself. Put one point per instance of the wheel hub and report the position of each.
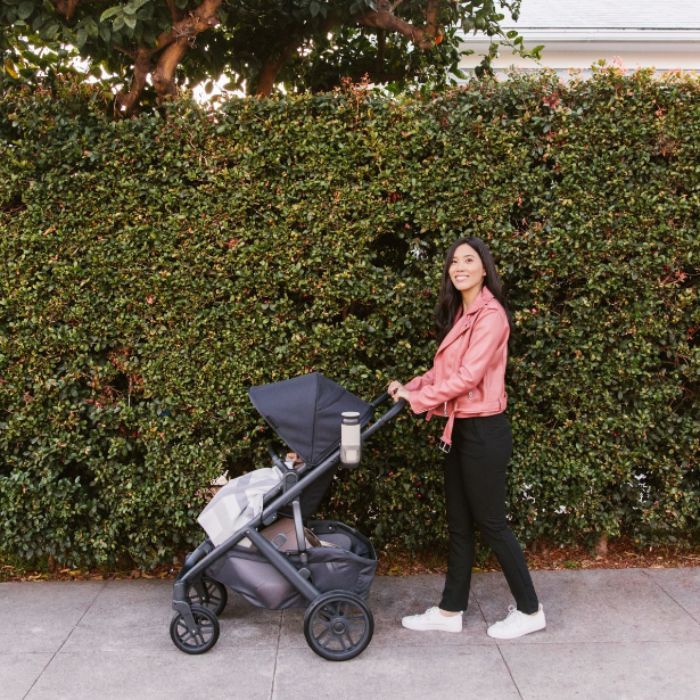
(338, 626)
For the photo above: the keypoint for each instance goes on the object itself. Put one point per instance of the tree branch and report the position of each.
(381, 49)
(142, 67)
(384, 18)
(432, 12)
(169, 60)
(199, 20)
(66, 7)
(172, 46)
(273, 65)
(175, 12)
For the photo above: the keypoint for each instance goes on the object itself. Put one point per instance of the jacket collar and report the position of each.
(483, 298)
(464, 319)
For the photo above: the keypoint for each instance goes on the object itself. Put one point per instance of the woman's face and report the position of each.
(466, 269)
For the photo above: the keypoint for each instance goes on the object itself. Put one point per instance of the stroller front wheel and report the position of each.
(338, 625)
(202, 637)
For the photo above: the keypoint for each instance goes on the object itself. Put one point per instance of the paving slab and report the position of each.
(42, 614)
(405, 673)
(682, 585)
(595, 605)
(605, 671)
(611, 634)
(19, 671)
(136, 617)
(391, 598)
(245, 626)
(132, 617)
(169, 675)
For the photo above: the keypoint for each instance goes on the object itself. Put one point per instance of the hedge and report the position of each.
(155, 268)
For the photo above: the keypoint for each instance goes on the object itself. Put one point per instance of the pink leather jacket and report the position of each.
(468, 373)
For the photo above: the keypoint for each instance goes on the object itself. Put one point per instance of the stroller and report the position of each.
(258, 543)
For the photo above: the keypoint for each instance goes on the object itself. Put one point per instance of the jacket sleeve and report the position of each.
(421, 380)
(490, 333)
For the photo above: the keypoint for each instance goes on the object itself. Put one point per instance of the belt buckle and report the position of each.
(444, 447)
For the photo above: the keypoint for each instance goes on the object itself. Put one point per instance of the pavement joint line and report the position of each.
(478, 605)
(68, 636)
(277, 655)
(680, 605)
(510, 673)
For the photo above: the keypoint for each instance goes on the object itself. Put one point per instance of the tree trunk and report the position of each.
(170, 47)
(142, 67)
(601, 547)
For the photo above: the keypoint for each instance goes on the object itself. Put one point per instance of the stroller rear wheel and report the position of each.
(200, 639)
(209, 594)
(338, 625)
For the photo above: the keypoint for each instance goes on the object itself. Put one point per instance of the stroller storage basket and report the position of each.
(346, 561)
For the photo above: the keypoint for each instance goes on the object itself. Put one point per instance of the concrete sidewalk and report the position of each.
(631, 633)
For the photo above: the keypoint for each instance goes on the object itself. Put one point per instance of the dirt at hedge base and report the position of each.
(621, 554)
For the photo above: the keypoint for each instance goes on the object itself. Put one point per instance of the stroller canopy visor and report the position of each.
(305, 413)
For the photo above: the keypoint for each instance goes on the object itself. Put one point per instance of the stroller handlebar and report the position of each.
(380, 400)
(276, 459)
(365, 434)
(388, 416)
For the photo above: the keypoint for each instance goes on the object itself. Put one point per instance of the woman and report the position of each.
(467, 386)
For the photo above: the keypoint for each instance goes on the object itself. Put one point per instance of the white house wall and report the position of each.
(579, 33)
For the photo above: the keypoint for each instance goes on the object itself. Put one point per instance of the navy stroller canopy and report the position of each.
(306, 413)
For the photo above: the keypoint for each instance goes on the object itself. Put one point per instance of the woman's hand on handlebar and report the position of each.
(397, 391)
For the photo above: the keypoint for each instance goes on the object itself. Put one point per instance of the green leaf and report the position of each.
(10, 69)
(134, 5)
(51, 30)
(25, 9)
(81, 36)
(111, 12)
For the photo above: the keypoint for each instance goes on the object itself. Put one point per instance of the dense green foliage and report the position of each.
(153, 269)
(136, 47)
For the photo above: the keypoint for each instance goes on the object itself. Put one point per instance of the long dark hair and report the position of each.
(450, 299)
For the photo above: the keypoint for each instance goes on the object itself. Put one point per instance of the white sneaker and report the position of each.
(433, 619)
(517, 623)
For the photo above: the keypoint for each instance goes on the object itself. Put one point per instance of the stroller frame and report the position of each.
(195, 627)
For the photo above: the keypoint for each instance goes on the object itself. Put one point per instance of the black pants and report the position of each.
(475, 487)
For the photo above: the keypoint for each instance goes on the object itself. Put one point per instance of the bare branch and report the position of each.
(175, 12)
(132, 53)
(432, 12)
(384, 18)
(174, 43)
(381, 48)
(66, 7)
(273, 66)
(142, 67)
(169, 60)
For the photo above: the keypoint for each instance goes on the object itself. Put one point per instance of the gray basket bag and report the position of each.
(339, 558)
